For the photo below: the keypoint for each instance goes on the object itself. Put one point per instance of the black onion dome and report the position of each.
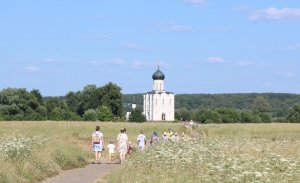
(158, 75)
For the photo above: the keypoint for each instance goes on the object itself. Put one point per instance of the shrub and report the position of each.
(90, 115)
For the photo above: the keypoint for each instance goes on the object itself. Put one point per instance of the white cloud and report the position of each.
(180, 28)
(273, 13)
(195, 2)
(32, 69)
(215, 60)
(136, 47)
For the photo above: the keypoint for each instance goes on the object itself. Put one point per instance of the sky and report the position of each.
(202, 46)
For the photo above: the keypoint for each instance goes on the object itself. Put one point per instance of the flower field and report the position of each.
(34, 151)
(225, 153)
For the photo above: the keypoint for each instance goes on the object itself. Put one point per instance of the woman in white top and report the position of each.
(122, 144)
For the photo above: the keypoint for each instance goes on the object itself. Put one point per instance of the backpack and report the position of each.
(97, 139)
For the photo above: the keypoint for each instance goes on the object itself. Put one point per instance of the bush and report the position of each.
(90, 115)
(137, 116)
(104, 114)
(229, 115)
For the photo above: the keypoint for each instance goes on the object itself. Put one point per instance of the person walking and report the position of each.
(111, 151)
(154, 139)
(97, 144)
(141, 141)
(122, 144)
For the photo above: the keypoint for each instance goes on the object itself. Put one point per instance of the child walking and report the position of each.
(111, 151)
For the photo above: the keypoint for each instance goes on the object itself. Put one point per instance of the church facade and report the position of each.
(159, 105)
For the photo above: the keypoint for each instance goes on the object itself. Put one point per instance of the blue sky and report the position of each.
(203, 46)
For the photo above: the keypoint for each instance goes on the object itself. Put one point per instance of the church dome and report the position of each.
(158, 75)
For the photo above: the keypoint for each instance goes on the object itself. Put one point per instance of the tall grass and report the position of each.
(33, 151)
(225, 153)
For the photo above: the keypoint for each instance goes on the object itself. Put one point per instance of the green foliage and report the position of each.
(183, 114)
(19, 104)
(69, 157)
(54, 102)
(104, 114)
(92, 97)
(74, 102)
(112, 98)
(90, 115)
(294, 114)
(247, 117)
(228, 115)
(261, 105)
(279, 102)
(208, 116)
(137, 116)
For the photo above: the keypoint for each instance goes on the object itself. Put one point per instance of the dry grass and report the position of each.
(33, 151)
(225, 153)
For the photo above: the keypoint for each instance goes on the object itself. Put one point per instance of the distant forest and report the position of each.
(279, 103)
(107, 103)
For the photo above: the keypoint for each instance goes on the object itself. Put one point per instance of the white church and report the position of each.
(159, 105)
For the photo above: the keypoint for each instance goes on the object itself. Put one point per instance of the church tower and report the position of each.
(159, 104)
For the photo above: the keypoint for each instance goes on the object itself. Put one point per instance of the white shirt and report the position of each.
(141, 139)
(111, 148)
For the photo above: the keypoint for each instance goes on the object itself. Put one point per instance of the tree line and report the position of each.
(107, 103)
(92, 103)
(230, 108)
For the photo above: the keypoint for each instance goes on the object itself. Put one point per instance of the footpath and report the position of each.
(88, 174)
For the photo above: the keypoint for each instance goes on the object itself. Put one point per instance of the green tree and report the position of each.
(104, 114)
(261, 105)
(112, 98)
(207, 116)
(19, 104)
(183, 114)
(294, 114)
(91, 97)
(90, 115)
(228, 115)
(137, 116)
(54, 102)
(37, 95)
(247, 117)
(74, 102)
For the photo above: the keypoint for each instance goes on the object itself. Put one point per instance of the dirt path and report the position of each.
(88, 174)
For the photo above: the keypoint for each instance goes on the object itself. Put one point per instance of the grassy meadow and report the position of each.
(224, 153)
(33, 151)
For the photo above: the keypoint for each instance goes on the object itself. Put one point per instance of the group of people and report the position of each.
(125, 146)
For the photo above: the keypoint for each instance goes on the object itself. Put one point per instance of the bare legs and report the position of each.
(122, 157)
(97, 156)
